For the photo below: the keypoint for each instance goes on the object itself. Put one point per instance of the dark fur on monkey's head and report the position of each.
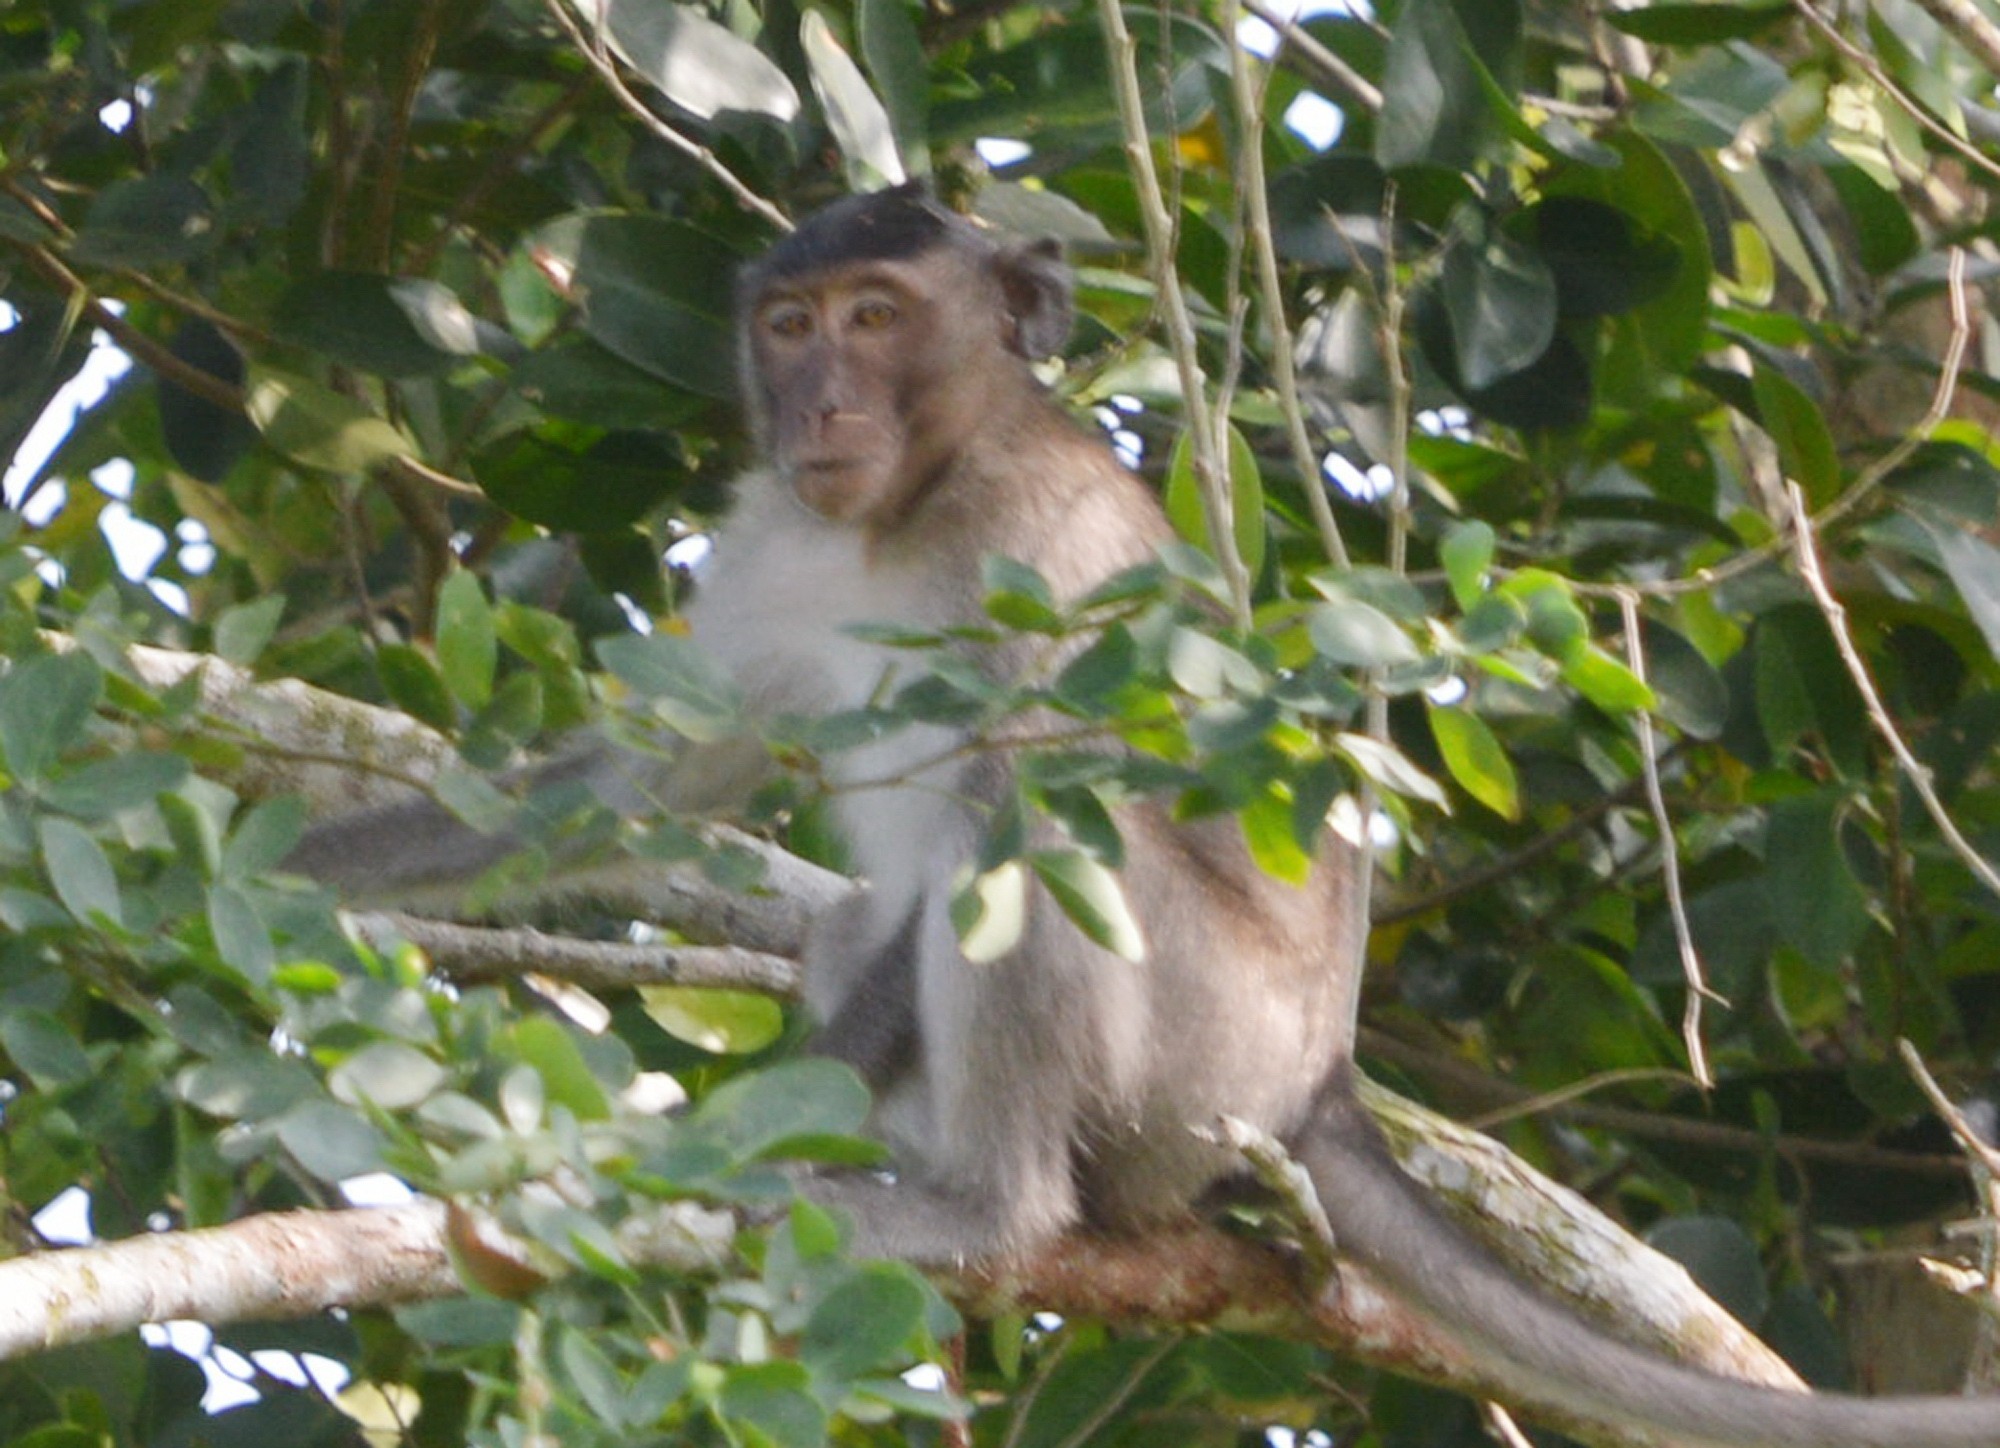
(893, 225)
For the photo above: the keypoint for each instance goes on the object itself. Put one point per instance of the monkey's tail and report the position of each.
(1542, 1355)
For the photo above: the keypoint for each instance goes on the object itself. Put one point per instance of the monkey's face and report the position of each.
(852, 370)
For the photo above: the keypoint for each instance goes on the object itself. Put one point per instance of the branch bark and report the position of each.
(294, 1264)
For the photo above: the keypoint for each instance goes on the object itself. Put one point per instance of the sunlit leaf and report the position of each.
(1090, 895)
(1476, 760)
(854, 114)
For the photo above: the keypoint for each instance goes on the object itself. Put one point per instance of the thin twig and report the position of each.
(1670, 862)
(1211, 462)
(1878, 713)
(1250, 133)
(599, 58)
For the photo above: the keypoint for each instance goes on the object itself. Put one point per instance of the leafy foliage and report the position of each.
(433, 368)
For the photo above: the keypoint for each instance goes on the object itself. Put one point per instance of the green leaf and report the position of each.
(1665, 23)
(83, 878)
(152, 221)
(696, 63)
(1389, 768)
(1092, 681)
(389, 1074)
(1720, 1256)
(596, 1381)
(865, 1324)
(107, 787)
(1602, 262)
(1476, 760)
(991, 913)
(332, 1142)
(1358, 635)
(390, 326)
(468, 649)
(759, 1112)
(774, 1398)
(45, 708)
(1501, 299)
(243, 630)
(895, 55)
(1692, 696)
(262, 837)
(415, 685)
(1270, 829)
(684, 686)
(1435, 109)
(1974, 567)
(1182, 496)
(548, 1046)
(1466, 550)
(242, 938)
(1091, 897)
(1606, 682)
(320, 428)
(1018, 596)
(855, 116)
(727, 1022)
(1818, 904)
(1207, 668)
(44, 1049)
(655, 292)
(245, 1085)
(1795, 423)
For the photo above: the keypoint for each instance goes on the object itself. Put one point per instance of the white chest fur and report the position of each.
(775, 606)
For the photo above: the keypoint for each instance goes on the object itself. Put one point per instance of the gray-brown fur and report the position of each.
(885, 355)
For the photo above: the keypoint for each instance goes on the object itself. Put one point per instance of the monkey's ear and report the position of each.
(1037, 285)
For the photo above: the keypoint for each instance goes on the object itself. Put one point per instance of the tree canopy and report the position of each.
(1576, 423)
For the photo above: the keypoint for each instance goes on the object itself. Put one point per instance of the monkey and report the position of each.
(886, 358)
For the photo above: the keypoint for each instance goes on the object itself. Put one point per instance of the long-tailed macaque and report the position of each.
(886, 350)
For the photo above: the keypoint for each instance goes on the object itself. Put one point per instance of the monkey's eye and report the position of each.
(791, 322)
(871, 315)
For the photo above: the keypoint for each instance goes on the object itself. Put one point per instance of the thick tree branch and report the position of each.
(298, 1263)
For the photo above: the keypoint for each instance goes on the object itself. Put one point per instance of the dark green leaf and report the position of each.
(45, 708)
(81, 874)
(468, 650)
(864, 1325)
(44, 1049)
(107, 787)
(774, 1398)
(1666, 23)
(204, 437)
(393, 327)
(1722, 1259)
(894, 52)
(1501, 299)
(1797, 425)
(414, 683)
(148, 222)
(1818, 904)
